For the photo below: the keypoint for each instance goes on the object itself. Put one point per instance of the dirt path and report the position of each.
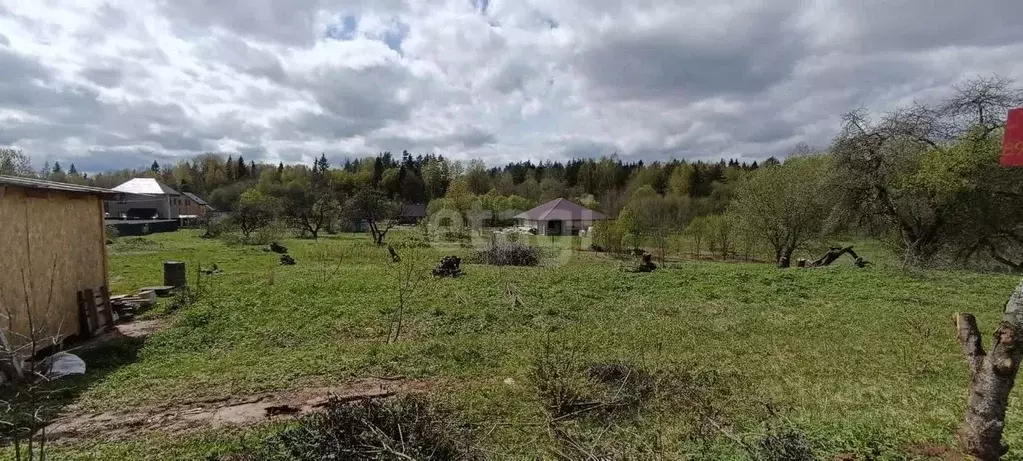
(213, 414)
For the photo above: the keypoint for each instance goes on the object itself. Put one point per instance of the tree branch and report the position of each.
(968, 336)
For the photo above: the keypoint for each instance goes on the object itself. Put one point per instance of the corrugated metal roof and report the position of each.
(560, 210)
(32, 183)
(145, 186)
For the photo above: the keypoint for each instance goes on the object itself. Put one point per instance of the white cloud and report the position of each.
(119, 83)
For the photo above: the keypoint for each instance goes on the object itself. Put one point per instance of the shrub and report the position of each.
(608, 236)
(111, 233)
(407, 427)
(512, 254)
(784, 445)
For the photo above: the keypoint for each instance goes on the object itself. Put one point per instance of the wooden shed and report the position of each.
(53, 245)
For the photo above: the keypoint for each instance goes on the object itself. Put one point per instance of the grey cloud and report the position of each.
(584, 149)
(356, 101)
(912, 26)
(109, 17)
(291, 22)
(741, 59)
(108, 77)
(272, 21)
(309, 126)
(109, 158)
(469, 137)
(237, 54)
(4, 40)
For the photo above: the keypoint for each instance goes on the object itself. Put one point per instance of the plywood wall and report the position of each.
(53, 244)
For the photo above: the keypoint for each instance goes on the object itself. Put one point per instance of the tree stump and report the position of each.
(450, 266)
(992, 376)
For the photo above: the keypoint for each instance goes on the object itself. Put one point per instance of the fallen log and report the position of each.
(836, 252)
(992, 376)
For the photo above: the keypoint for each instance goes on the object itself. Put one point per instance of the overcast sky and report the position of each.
(121, 83)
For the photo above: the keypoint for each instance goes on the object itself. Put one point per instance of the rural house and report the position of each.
(559, 217)
(54, 246)
(190, 208)
(145, 198)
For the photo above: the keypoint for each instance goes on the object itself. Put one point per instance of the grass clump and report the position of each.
(137, 244)
(407, 427)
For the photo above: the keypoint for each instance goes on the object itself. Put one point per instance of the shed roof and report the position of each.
(195, 198)
(32, 183)
(561, 210)
(145, 186)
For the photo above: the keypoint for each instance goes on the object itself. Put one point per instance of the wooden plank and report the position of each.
(83, 316)
(103, 245)
(108, 311)
(90, 306)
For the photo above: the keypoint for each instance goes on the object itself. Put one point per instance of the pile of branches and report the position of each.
(450, 266)
(408, 427)
(512, 254)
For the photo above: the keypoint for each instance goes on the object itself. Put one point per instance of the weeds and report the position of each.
(512, 254)
(403, 428)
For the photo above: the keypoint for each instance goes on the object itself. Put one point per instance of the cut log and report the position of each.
(992, 375)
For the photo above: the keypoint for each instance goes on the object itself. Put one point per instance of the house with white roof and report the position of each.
(144, 198)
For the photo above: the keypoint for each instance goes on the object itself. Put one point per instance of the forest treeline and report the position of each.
(923, 178)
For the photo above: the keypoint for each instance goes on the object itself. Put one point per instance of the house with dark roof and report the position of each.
(190, 206)
(559, 217)
(412, 213)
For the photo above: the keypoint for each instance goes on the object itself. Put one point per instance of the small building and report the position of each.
(559, 217)
(412, 213)
(53, 246)
(190, 208)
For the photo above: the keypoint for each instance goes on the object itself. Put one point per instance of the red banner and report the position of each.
(1012, 145)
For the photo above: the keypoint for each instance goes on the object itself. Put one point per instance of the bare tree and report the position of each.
(379, 212)
(992, 376)
(888, 165)
(13, 162)
(982, 101)
(27, 409)
(410, 272)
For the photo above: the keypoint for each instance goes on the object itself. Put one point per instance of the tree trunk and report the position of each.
(992, 376)
(833, 255)
(785, 260)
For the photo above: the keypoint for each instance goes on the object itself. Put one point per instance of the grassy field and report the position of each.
(862, 361)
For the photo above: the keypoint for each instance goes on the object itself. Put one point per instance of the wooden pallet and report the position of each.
(94, 311)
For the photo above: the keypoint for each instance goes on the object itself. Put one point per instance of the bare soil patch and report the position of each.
(219, 413)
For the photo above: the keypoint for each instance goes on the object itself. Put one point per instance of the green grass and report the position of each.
(862, 360)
